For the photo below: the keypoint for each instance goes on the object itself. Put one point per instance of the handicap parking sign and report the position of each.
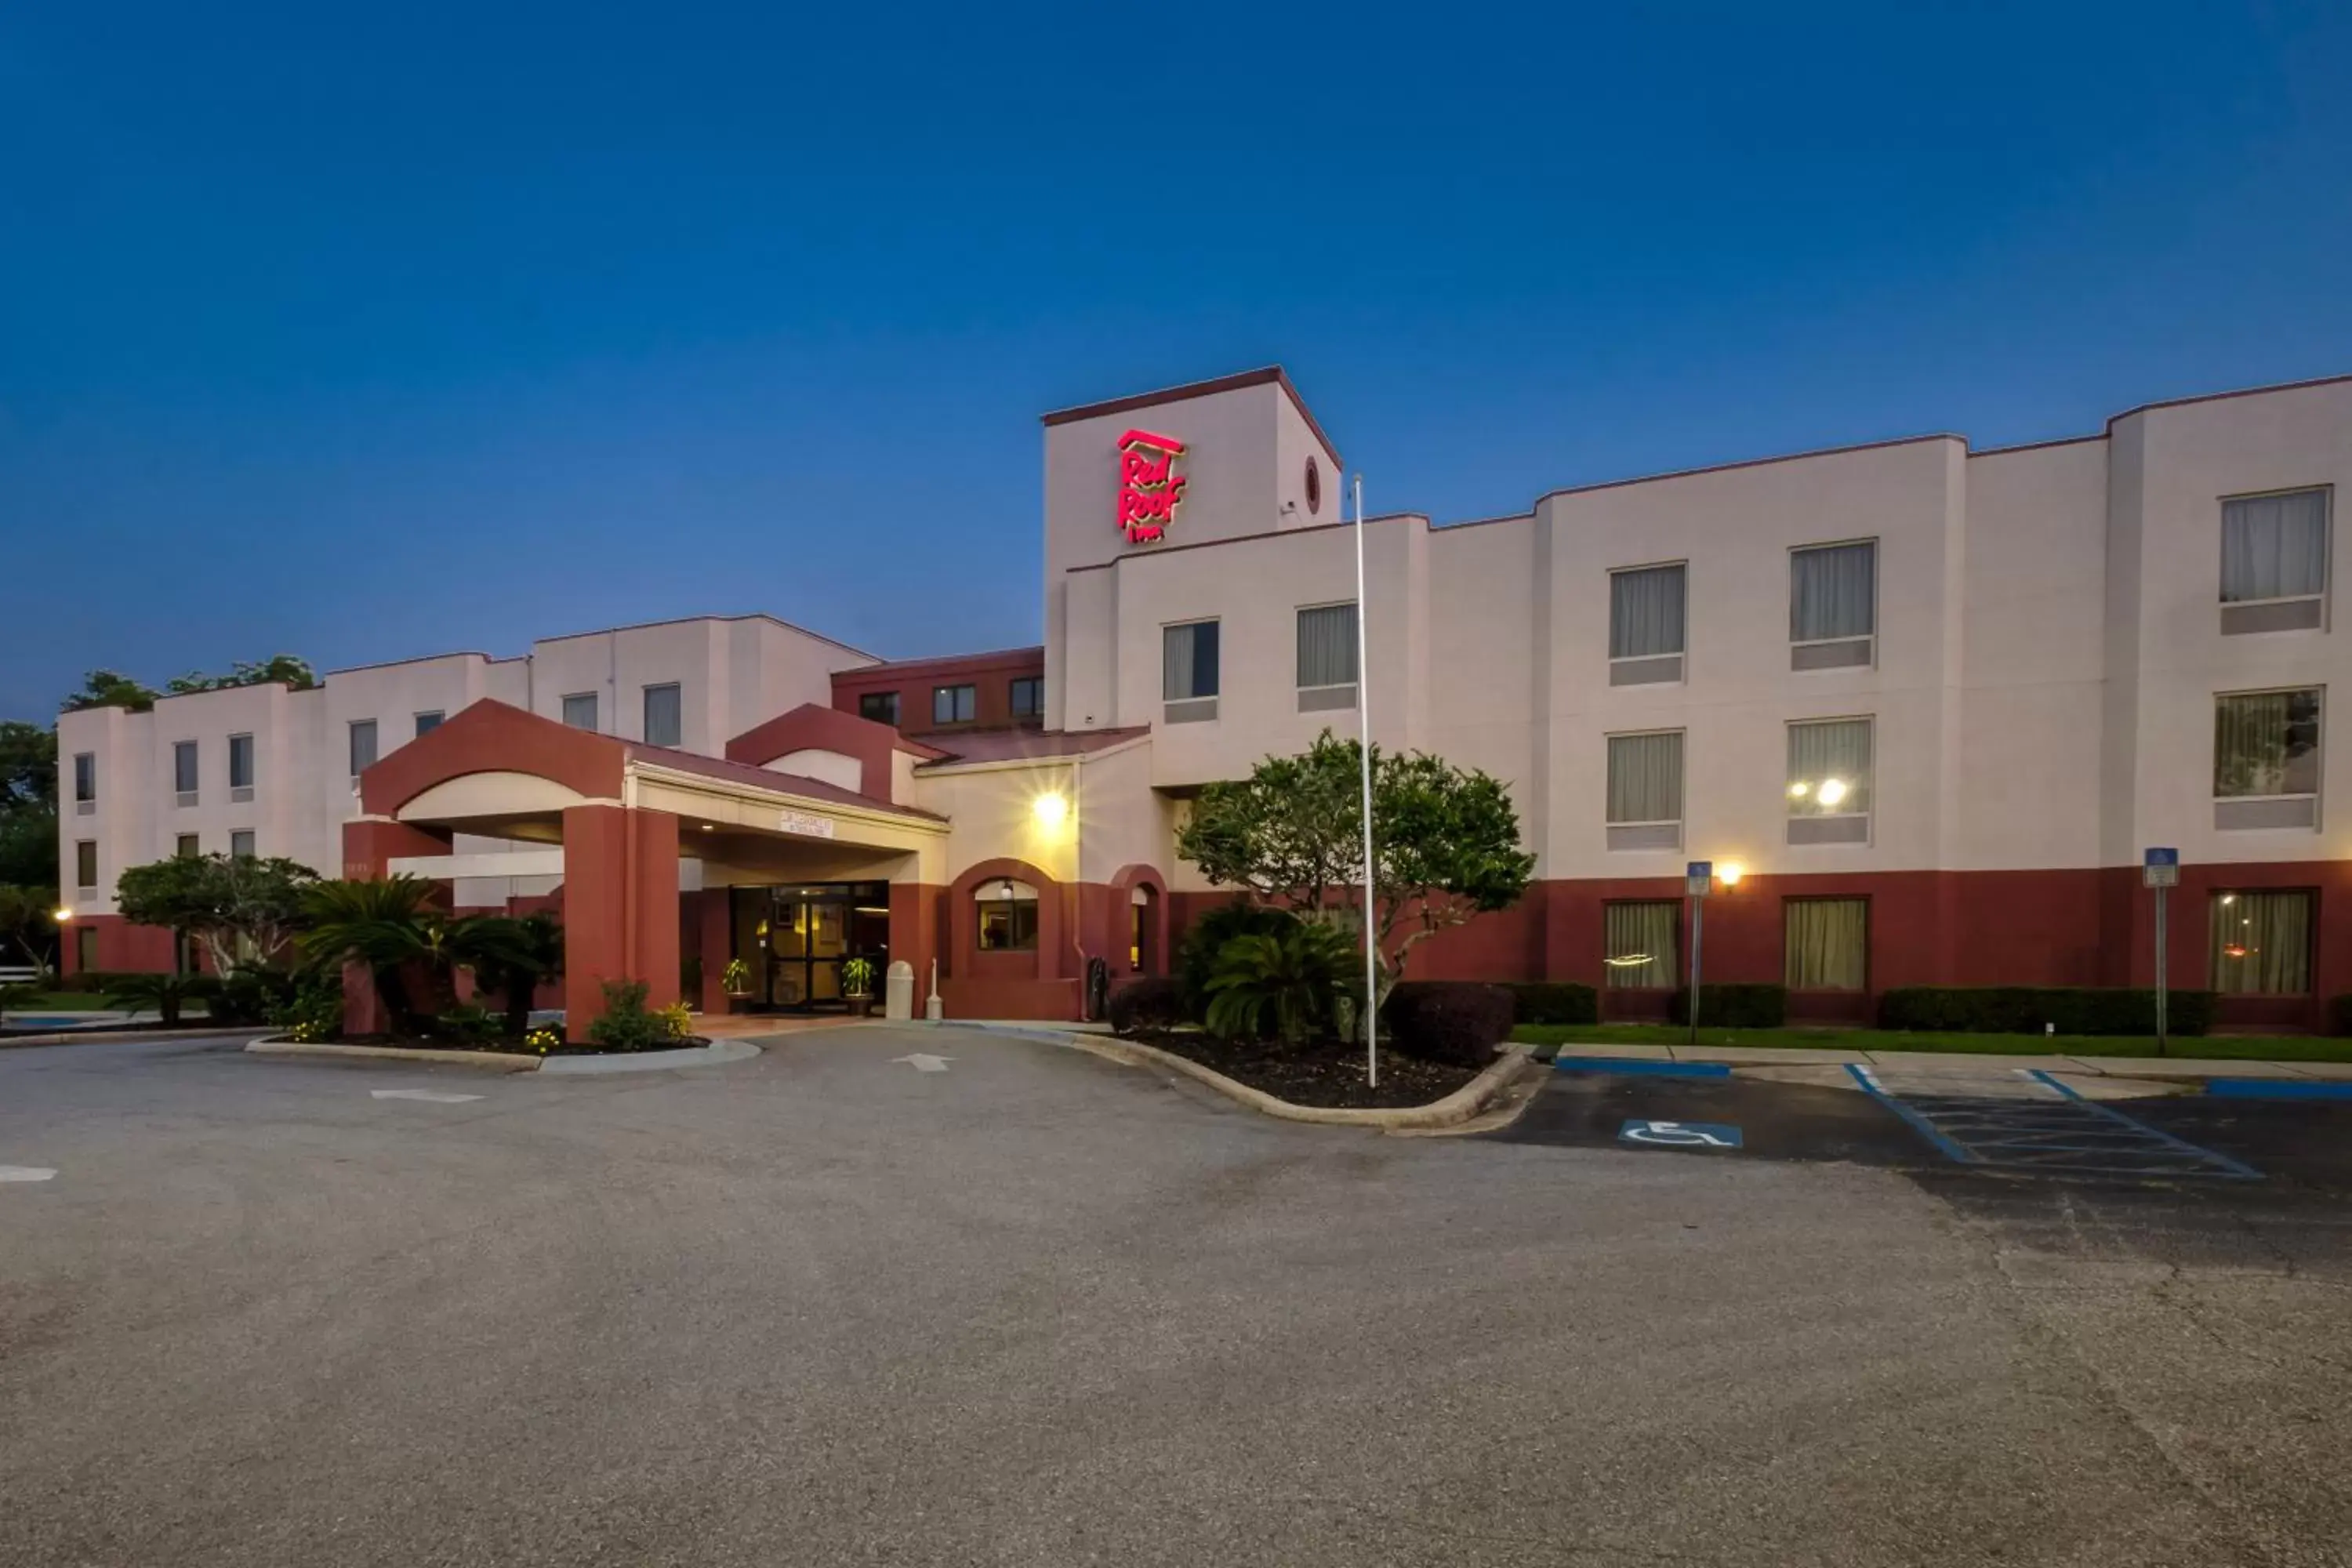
(1680, 1134)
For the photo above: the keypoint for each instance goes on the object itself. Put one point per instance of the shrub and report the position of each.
(1287, 982)
(166, 993)
(251, 995)
(1555, 1001)
(2026, 1009)
(627, 1025)
(676, 1020)
(314, 1011)
(1733, 1006)
(1455, 1021)
(468, 1025)
(1152, 1002)
(1205, 938)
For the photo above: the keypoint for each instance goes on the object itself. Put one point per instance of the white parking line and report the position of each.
(437, 1096)
(24, 1174)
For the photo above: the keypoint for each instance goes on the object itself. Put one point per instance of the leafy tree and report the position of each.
(511, 952)
(219, 899)
(282, 669)
(28, 765)
(382, 924)
(105, 689)
(26, 922)
(1295, 977)
(28, 808)
(167, 994)
(1447, 842)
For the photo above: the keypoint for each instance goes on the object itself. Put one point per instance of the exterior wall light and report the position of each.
(1729, 873)
(1051, 810)
(61, 914)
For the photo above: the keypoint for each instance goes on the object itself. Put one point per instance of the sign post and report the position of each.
(2159, 870)
(1698, 876)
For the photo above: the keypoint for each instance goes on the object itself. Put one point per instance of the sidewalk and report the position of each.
(2182, 1068)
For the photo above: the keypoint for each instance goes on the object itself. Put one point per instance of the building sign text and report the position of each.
(1148, 485)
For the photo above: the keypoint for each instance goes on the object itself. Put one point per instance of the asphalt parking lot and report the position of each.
(1039, 1309)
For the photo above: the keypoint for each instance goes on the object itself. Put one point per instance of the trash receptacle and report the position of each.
(898, 990)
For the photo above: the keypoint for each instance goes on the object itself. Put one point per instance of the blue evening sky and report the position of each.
(363, 332)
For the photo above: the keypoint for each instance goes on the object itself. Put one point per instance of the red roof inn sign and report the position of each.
(1148, 485)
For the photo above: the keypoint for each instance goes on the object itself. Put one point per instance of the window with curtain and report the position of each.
(187, 846)
(1641, 940)
(1327, 645)
(363, 745)
(240, 761)
(428, 721)
(579, 709)
(1833, 591)
(2274, 547)
(882, 707)
(665, 715)
(2266, 743)
(1189, 661)
(1027, 694)
(1008, 916)
(954, 704)
(240, 845)
(1828, 944)
(1645, 611)
(2261, 943)
(1645, 777)
(85, 775)
(85, 864)
(183, 766)
(1828, 768)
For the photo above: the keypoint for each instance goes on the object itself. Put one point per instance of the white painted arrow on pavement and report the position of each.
(437, 1096)
(924, 1063)
(24, 1174)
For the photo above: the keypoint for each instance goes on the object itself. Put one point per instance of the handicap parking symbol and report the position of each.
(1680, 1134)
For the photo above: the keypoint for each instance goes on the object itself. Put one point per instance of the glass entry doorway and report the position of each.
(795, 938)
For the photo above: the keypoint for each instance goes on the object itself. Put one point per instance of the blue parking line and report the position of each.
(1634, 1067)
(2234, 1167)
(2275, 1088)
(1951, 1150)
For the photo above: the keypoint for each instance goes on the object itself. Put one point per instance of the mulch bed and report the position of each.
(1328, 1073)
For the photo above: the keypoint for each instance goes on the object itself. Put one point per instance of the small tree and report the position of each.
(380, 923)
(25, 920)
(1447, 842)
(106, 689)
(511, 952)
(219, 900)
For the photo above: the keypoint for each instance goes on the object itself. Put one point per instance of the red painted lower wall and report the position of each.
(121, 946)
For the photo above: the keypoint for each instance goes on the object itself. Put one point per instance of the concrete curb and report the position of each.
(135, 1034)
(1744, 1058)
(1464, 1104)
(495, 1061)
(711, 1055)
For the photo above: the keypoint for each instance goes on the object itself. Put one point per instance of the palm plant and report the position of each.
(167, 994)
(1295, 977)
(513, 953)
(382, 924)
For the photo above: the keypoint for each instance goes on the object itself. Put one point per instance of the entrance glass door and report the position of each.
(795, 940)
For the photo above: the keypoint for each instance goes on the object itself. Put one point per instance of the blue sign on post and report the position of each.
(1697, 876)
(2160, 868)
(1680, 1134)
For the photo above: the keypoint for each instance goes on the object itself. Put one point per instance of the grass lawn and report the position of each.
(61, 1001)
(2224, 1047)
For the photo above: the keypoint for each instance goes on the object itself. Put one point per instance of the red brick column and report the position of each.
(370, 846)
(620, 908)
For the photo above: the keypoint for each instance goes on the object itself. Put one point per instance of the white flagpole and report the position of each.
(1364, 734)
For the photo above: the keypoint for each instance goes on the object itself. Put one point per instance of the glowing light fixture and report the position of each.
(1729, 873)
(708, 828)
(1797, 791)
(1832, 792)
(1631, 961)
(2229, 899)
(1051, 810)
(61, 914)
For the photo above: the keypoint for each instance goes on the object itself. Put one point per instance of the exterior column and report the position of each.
(370, 846)
(620, 908)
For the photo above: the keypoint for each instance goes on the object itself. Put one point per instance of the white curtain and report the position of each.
(1645, 611)
(1645, 777)
(1327, 645)
(1833, 592)
(1189, 661)
(1641, 945)
(2262, 943)
(2274, 547)
(2266, 743)
(1834, 754)
(1828, 944)
(665, 717)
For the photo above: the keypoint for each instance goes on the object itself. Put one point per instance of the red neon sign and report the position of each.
(1148, 485)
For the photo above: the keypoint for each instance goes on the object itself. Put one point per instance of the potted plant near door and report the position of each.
(857, 985)
(736, 980)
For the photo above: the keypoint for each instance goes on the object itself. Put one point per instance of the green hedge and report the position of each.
(2026, 1009)
(1555, 1001)
(1733, 1006)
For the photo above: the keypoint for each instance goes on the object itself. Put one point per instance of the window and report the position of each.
(240, 768)
(85, 779)
(1641, 945)
(1645, 625)
(882, 707)
(183, 772)
(1828, 944)
(428, 723)
(1188, 671)
(85, 949)
(954, 704)
(2266, 759)
(579, 709)
(1028, 696)
(2262, 943)
(1008, 916)
(240, 845)
(185, 846)
(1829, 781)
(2274, 562)
(363, 745)
(1832, 605)
(86, 865)
(1326, 657)
(664, 716)
(1645, 791)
